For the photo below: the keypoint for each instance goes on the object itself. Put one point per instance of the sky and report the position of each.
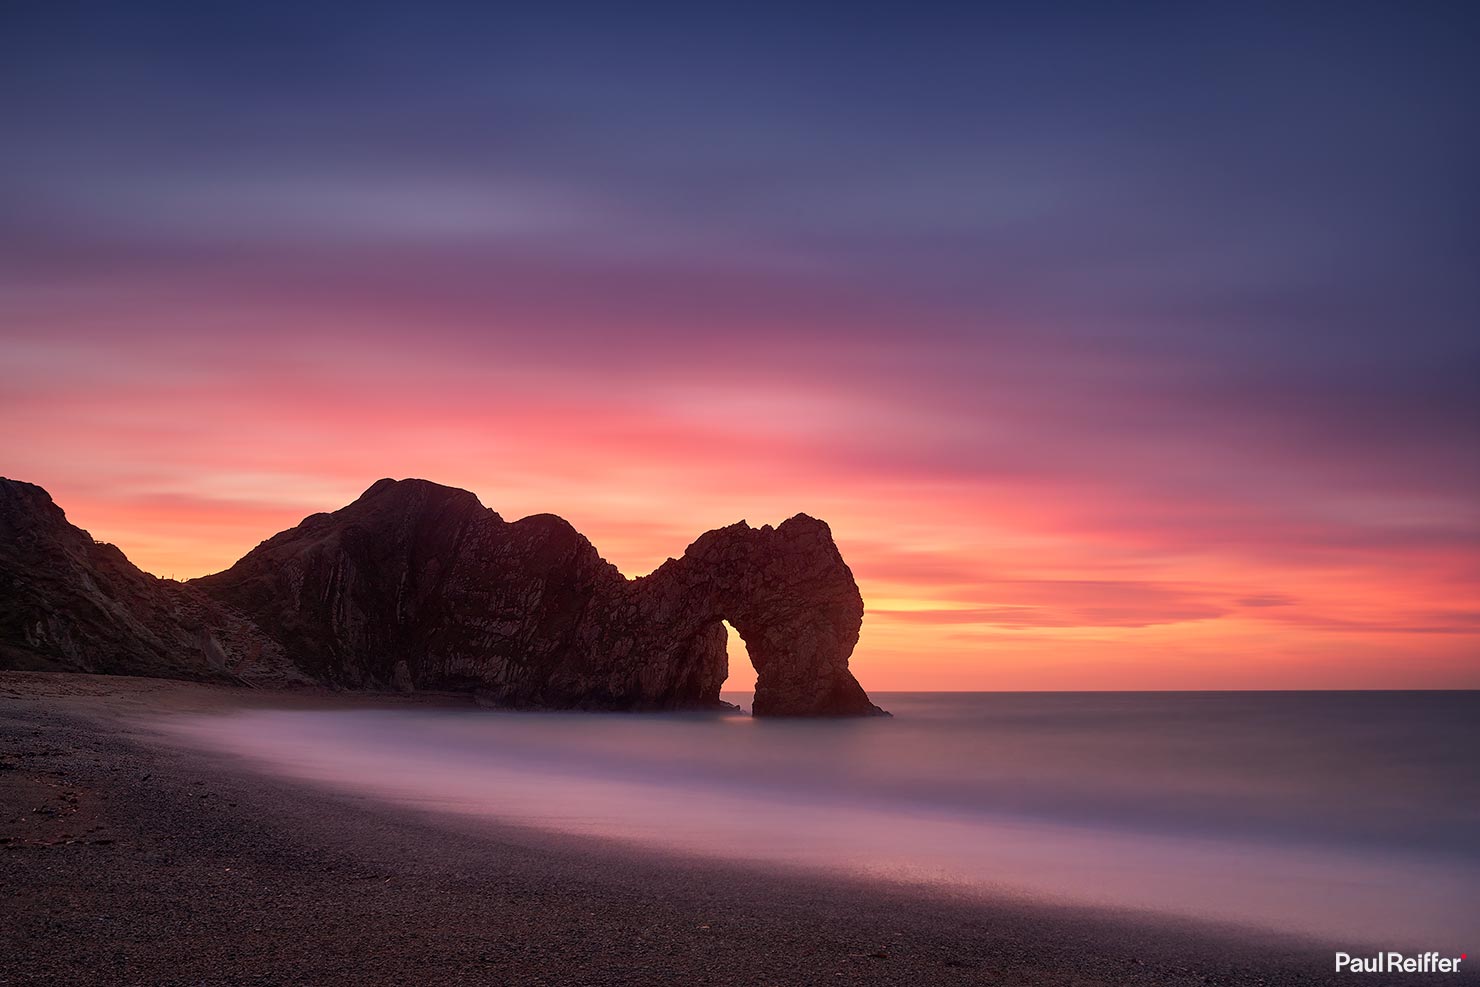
(1123, 346)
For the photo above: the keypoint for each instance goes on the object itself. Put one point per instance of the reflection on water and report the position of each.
(1337, 814)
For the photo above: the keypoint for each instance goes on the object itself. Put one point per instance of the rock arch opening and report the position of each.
(739, 685)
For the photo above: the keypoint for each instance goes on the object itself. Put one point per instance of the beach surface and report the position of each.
(128, 857)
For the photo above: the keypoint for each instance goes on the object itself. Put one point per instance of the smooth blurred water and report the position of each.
(1349, 816)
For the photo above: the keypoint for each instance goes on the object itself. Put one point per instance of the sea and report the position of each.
(1350, 817)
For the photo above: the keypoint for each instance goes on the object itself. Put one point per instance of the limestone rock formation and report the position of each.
(788, 593)
(70, 603)
(419, 586)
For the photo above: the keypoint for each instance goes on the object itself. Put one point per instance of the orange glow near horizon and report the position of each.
(1012, 582)
(969, 615)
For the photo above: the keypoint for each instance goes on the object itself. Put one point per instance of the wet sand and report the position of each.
(129, 860)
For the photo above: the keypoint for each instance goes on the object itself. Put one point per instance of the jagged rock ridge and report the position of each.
(419, 586)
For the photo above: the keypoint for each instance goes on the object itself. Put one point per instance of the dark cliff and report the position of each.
(70, 603)
(419, 586)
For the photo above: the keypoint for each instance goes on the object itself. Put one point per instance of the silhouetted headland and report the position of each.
(418, 586)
